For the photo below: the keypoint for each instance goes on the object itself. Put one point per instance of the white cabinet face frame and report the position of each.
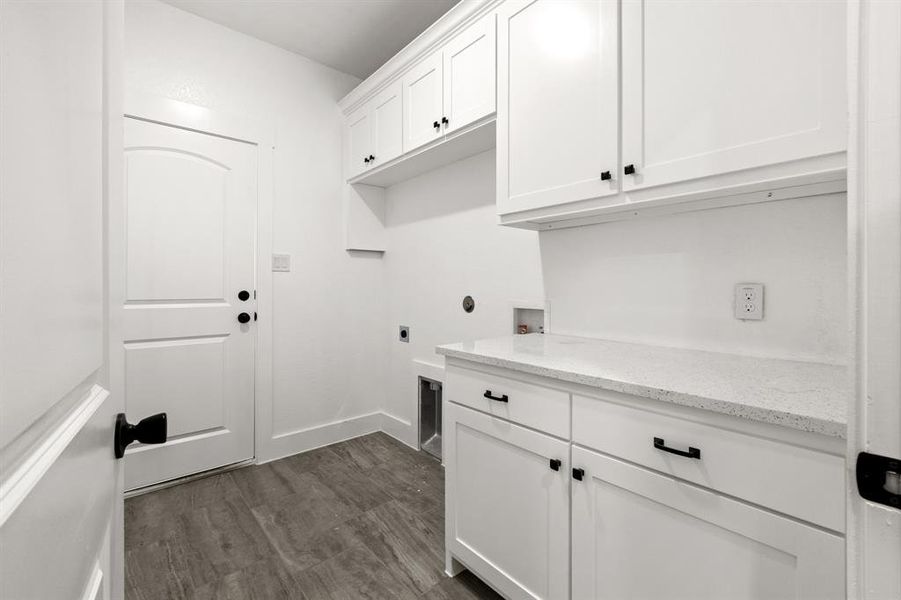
(693, 110)
(387, 125)
(422, 103)
(686, 542)
(470, 74)
(557, 102)
(359, 141)
(508, 512)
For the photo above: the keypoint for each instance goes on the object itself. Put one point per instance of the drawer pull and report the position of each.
(503, 398)
(692, 452)
(578, 474)
(556, 463)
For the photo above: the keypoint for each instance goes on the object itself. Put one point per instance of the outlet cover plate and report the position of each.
(749, 301)
(403, 334)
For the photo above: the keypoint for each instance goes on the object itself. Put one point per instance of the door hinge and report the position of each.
(879, 479)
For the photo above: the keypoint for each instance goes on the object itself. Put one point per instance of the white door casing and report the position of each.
(470, 74)
(697, 108)
(60, 172)
(874, 261)
(190, 231)
(557, 102)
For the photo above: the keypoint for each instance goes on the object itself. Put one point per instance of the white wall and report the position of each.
(329, 311)
(669, 280)
(444, 243)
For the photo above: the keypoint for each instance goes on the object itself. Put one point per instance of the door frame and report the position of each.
(242, 128)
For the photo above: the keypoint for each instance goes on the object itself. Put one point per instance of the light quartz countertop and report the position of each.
(801, 395)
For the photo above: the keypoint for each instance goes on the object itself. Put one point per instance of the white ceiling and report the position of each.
(353, 36)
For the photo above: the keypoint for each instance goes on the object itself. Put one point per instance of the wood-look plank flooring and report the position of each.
(359, 519)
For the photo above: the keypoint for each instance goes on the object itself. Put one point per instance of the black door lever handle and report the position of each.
(152, 430)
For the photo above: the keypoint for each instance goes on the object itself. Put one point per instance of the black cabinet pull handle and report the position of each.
(692, 452)
(555, 464)
(436, 125)
(371, 158)
(503, 398)
(629, 169)
(365, 159)
(444, 120)
(578, 474)
(605, 176)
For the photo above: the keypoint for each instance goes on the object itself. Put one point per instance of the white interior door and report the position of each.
(190, 206)
(640, 534)
(715, 86)
(874, 217)
(557, 102)
(422, 103)
(60, 485)
(470, 74)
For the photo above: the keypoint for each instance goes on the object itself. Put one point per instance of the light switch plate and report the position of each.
(749, 301)
(281, 263)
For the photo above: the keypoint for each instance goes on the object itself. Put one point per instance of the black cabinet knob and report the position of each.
(606, 176)
(152, 430)
(444, 120)
(365, 159)
(555, 464)
(243, 295)
(578, 474)
(371, 158)
(243, 318)
(629, 169)
(436, 125)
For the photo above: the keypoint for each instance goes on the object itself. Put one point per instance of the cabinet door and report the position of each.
(639, 534)
(422, 98)
(469, 74)
(715, 87)
(387, 124)
(359, 141)
(507, 509)
(557, 115)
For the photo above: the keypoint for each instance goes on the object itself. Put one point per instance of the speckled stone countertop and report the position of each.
(801, 395)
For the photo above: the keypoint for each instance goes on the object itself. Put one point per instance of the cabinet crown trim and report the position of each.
(450, 24)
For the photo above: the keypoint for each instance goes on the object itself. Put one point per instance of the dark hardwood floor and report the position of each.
(359, 519)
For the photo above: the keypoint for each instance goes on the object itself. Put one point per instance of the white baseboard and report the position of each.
(295, 442)
(302, 440)
(399, 429)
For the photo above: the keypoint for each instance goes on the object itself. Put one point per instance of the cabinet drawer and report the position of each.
(537, 407)
(796, 481)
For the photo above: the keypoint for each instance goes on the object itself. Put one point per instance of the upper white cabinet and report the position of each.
(423, 97)
(722, 102)
(557, 121)
(358, 136)
(373, 132)
(715, 87)
(470, 75)
(387, 118)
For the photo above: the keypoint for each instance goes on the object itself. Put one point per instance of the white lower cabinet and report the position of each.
(639, 534)
(508, 520)
(657, 515)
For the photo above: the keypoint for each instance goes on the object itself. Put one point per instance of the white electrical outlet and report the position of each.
(749, 301)
(281, 263)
